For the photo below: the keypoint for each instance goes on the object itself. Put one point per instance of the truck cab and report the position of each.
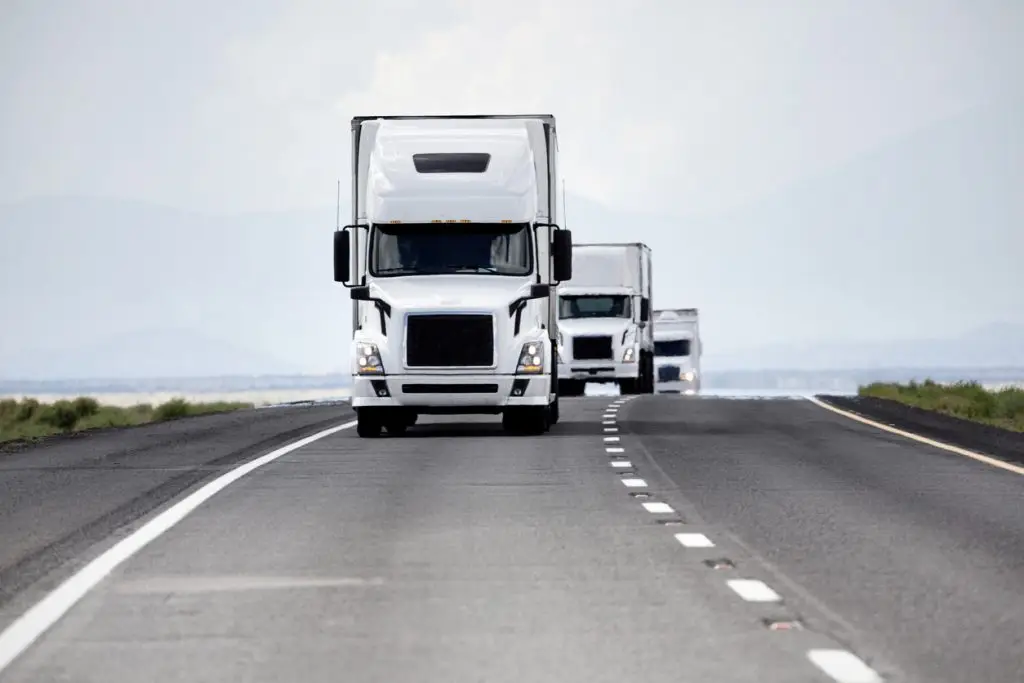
(451, 258)
(677, 351)
(604, 320)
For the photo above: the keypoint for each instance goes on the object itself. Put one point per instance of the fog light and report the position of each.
(380, 387)
(519, 387)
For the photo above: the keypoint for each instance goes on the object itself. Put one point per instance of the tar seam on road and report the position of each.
(1001, 464)
(21, 634)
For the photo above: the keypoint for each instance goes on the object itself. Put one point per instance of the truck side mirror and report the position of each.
(561, 250)
(645, 309)
(342, 257)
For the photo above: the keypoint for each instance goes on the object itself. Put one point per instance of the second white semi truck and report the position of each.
(452, 258)
(677, 350)
(605, 320)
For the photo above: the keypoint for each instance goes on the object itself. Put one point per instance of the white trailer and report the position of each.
(452, 258)
(604, 319)
(677, 350)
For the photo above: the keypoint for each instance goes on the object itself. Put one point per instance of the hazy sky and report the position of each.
(685, 109)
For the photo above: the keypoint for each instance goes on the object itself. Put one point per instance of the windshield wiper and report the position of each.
(474, 269)
(396, 270)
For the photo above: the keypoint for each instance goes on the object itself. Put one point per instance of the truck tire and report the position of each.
(368, 425)
(398, 421)
(554, 412)
(526, 421)
(571, 387)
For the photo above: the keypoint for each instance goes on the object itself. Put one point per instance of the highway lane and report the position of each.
(59, 500)
(915, 554)
(449, 555)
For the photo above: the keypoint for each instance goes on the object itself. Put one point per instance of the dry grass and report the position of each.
(1002, 408)
(29, 420)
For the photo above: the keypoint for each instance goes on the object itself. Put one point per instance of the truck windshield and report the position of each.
(445, 248)
(593, 306)
(672, 347)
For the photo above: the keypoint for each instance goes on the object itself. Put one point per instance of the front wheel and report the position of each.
(367, 425)
(570, 387)
(527, 420)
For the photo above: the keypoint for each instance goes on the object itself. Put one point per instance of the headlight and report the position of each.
(689, 375)
(531, 359)
(629, 355)
(368, 359)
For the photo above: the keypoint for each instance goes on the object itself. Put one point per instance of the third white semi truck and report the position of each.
(677, 350)
(605, 320)
(453, 257)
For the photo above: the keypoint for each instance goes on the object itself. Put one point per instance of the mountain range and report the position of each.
(909, 256)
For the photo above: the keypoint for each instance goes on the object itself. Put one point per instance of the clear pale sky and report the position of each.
(759, 134)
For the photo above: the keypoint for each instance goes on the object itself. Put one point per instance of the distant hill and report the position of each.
(113, 288)
(991, 346)
(920, 240)
(150, 353)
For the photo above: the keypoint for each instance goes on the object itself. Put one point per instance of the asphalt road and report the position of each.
(460, 554)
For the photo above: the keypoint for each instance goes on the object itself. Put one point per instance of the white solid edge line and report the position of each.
(25, 630)
(658, 508)
(695, 540)
(634, 483)
(843, 666)
(753, 590)
(1002, 464)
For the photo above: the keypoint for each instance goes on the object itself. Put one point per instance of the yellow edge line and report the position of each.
(1001, 464)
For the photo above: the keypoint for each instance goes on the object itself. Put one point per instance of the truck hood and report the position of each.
(454, 292)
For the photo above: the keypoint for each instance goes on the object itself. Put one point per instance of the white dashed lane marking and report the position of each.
(695, 540)
(843, 666)
(752, 590)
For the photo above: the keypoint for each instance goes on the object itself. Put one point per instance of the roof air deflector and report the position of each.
(451, 162)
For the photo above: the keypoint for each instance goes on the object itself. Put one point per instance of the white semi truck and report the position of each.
(452, 259)
(605, 320)
(677, 350)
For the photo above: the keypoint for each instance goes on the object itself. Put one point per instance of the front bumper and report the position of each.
(455, 394)
(680, 386)
(598, 371)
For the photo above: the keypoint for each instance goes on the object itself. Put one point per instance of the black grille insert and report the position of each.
(592, 348)
(668, 373)
(449, 341)
(450, 388)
